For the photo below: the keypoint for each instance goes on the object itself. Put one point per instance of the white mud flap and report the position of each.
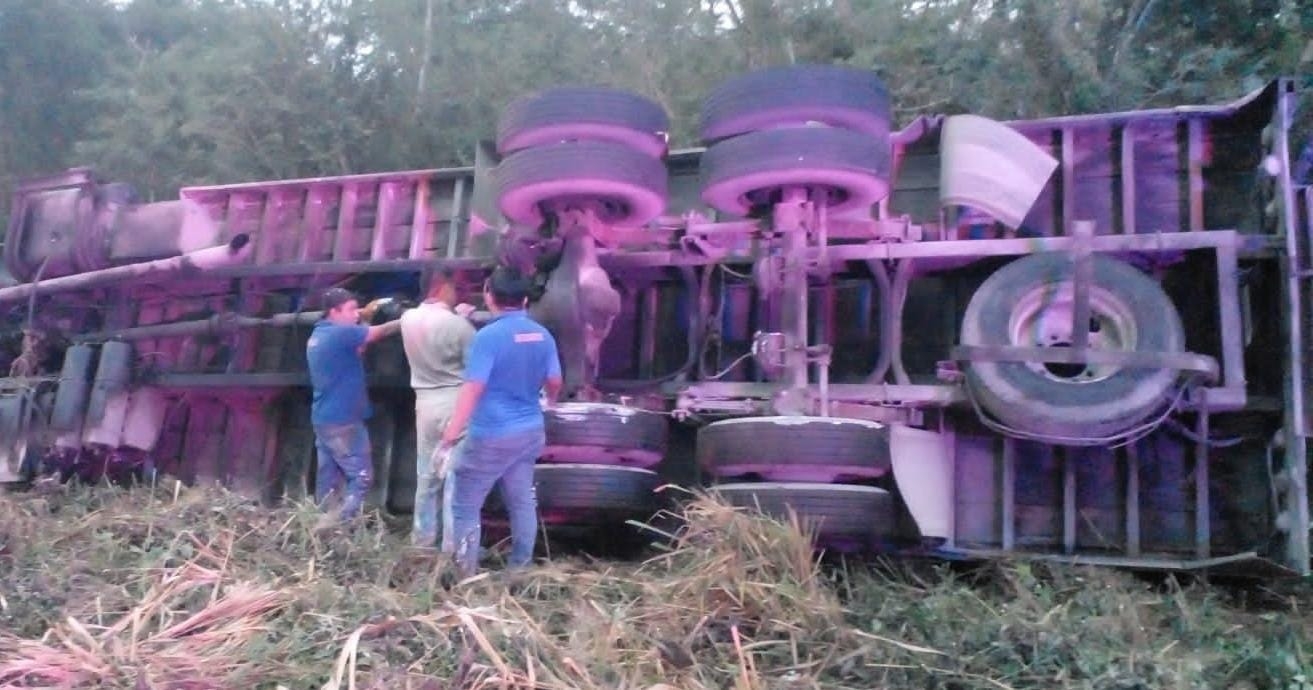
(991, 167)
(13, 439)
(144, 419)
(108, 432)
(923, 468)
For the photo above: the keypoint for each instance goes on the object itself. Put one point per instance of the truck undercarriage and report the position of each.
(1080, 338)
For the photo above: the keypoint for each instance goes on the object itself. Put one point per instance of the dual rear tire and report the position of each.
(582, 145)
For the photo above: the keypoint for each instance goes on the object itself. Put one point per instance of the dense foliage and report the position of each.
(165, 93)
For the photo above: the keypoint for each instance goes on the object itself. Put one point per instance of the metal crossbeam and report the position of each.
(1180, 361)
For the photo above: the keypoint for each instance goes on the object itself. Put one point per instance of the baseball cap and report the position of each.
(336, 297)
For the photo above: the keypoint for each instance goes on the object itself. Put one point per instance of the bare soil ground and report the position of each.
(191, 588)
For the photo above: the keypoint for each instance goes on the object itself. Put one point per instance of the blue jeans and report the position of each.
(344, 456)
(478, 464)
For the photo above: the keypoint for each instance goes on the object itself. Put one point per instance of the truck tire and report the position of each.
(603, 434)
(813, 449)
(829, 94)
(1028, 303)
(630, 187)
(835, 511)
(583, 113)
(589, 494)
(842, 170)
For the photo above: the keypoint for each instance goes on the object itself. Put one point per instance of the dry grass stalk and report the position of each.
(115, 589)
(146, 642)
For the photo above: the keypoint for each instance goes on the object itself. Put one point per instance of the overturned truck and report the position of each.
(1078, 338)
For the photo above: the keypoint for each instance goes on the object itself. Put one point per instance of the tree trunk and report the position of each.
(425, 52)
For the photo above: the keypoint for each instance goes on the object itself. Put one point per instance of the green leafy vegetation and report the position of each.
(165, 94)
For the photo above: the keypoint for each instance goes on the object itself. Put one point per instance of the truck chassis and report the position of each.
(1080, 338)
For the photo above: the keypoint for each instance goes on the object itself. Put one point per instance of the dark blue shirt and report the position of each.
(513, 356)
(337, 373)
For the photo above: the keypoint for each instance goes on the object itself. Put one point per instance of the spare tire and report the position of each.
(629, 186)
(604, 434)
(833, 511)
(819, 449)
(583, 113)
(1028, 303)
(842, 170)
(830, 94)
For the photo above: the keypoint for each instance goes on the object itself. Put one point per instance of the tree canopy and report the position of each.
(166, 93)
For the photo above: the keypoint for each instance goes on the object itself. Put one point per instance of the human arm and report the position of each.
(381, 331)
(466, 400)
(554, 382)
(478, 366)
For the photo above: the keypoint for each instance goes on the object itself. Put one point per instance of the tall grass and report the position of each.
(201, 589)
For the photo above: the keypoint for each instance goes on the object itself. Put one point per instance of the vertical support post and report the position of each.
(313, 221)
(1009, 494)
(1202, 498)
(271, 236)
(453, 224)
(1296, 428)
(1082, 231)
(647, 326)
(950, 439)
(1068, 147)
(245, 342)
(792, 227)
(421, 229)
(346, 223)
(1068, 500)
(1229, 322)
(271, 459)
(1128, 179)
(1133, 500)
(385, 214)
(1195, 164)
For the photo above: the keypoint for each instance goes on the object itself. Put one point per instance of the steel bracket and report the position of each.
(1187, 362)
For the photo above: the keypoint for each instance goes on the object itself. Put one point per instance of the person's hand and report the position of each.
(369, 310)
(464, 309)
(441, 459)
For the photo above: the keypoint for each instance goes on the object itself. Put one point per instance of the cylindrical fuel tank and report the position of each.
(112, 376)
(62, 231)
(47, 230)
(74, 388)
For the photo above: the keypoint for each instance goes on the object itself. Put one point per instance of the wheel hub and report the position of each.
(1044, 317)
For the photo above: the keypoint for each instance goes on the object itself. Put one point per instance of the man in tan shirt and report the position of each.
(435, 337)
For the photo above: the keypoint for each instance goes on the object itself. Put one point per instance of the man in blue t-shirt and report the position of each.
(510, 360)
(341, 401)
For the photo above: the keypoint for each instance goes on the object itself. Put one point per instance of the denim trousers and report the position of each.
(344, 457)
(478, 464)
(433, 409)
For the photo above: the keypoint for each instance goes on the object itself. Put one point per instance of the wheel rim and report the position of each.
(1043, 317)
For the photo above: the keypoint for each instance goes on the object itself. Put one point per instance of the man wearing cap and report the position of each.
(341, 402)
(436, 336)
(510, 360)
